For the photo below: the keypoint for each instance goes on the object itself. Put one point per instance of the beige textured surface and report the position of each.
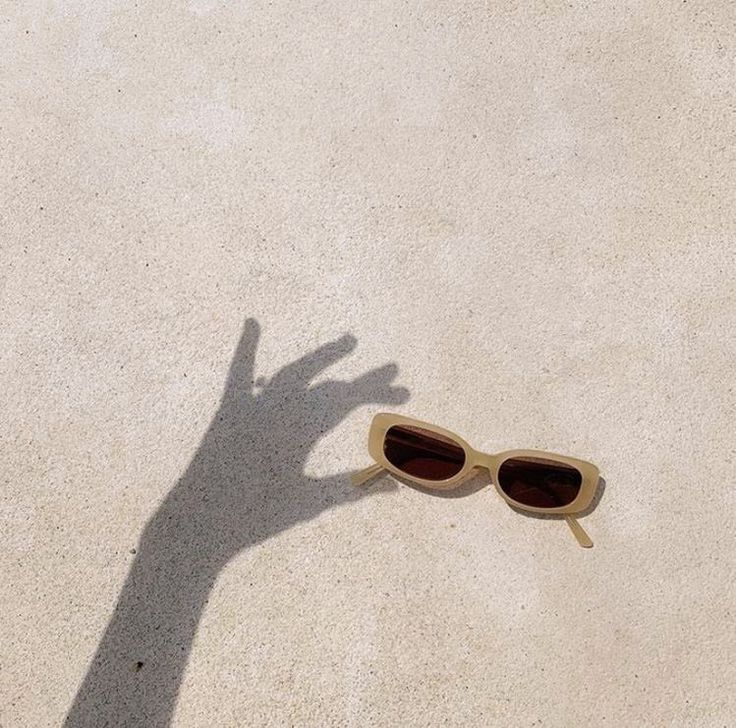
(527, 207)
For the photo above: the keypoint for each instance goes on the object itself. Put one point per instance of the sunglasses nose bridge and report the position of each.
(484, 460)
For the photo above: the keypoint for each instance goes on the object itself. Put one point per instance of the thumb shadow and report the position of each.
(245, 483)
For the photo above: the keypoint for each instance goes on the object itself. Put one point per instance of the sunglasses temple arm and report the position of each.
(363, 476)
(579, 532)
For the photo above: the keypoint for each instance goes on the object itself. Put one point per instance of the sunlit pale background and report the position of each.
(528, 207)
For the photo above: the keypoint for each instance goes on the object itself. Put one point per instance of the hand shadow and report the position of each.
(245, 483)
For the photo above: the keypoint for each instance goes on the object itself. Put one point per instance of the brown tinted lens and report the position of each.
(422, 453)
(539, 482)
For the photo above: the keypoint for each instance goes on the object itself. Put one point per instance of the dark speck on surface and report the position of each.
(138, 666)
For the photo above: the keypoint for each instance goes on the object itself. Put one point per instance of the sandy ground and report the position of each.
(233, 231)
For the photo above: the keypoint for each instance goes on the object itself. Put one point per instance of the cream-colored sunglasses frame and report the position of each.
(474, 460)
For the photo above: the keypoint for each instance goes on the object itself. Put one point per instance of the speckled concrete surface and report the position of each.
(513, 219)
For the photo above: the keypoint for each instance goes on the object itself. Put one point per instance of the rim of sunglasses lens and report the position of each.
(475, 460)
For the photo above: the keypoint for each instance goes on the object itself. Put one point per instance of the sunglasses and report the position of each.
(529, 480)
